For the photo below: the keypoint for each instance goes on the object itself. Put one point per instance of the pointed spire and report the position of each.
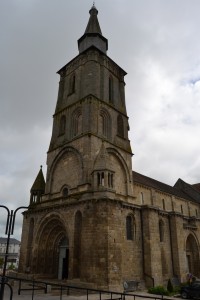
(93, 23)
(38, 188)
(102, 161)
(93, 35)
(39, 183)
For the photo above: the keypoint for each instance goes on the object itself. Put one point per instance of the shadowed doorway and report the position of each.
(63, 263)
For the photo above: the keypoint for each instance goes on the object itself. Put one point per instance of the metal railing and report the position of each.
(45, 287)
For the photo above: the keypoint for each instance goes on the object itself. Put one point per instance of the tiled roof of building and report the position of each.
(196, 186)
(12, 241)
(150, 182)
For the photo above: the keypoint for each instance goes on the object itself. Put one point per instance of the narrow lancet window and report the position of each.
(120, 126)
(111, 90)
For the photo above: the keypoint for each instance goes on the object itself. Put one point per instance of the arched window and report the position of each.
(62, 125)
(72, 84)
(76, 122)
(111, 89)
(120, 126)
(130, 228)
(65, 192)
(105, 123)
(161, 230)
(110, 180)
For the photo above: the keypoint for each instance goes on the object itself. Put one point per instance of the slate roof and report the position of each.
(93, 23)
(12, 241)
(39, 183)
(196, 186)
(152, 183)
(102, 161)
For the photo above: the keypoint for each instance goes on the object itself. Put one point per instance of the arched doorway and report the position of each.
(63, 264)
(52, 240)
(192, 256)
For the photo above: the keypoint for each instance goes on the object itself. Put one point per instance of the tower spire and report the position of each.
(93, 35)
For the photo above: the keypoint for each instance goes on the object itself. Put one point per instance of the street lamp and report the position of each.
(10, 224)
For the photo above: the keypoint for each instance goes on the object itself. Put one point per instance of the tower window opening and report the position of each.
(163, 203)
(110, 180)
(100, 179)
(110, 90)
(161, 230)
(120, 126)
(72, 84)
(129, 229)
(65, 192)
(62, 125)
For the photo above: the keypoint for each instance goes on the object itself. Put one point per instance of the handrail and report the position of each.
(64, 287)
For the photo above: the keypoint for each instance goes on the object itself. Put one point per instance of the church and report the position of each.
(94, 221)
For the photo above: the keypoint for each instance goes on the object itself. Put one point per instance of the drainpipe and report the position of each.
(142, 240)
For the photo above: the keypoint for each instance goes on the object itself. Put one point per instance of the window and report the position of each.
(76, 122)
(120, 126)
(65, 192)
(72, 84)
(163, 203)
(182, 209)
(105, 123)
(130, 228)
(141, 198)
(110, 180)
(100, 178)
(62, 125)
(161, 230)
(110, 90)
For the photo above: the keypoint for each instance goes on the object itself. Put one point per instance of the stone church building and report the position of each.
(95, 222)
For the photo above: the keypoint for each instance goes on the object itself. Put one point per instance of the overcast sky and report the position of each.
(155, 41)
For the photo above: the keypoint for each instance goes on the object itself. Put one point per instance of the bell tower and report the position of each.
(89, 173)
(90, 111)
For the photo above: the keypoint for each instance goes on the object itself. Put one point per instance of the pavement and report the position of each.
(55, 295)
(72, 294)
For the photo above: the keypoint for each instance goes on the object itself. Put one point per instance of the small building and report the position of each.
(14, 250)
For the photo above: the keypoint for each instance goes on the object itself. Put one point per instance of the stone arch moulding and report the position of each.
(195, 238)
(59, 156)
(121, 159)
(124, 168)
(48, 217)
(192, 254)
(50, 231)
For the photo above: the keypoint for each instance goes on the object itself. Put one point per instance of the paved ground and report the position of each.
(73, 294)
(54, 295)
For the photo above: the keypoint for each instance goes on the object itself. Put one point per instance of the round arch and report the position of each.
(49, 239)
(192, 255)
(56, 182)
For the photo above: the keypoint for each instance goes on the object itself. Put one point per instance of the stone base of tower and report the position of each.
(84, 242)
